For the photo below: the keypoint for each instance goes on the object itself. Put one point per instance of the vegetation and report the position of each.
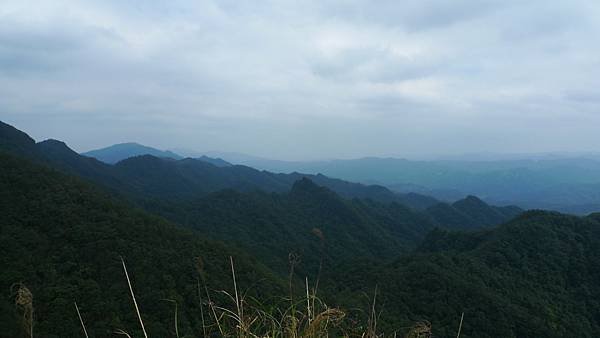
(84, 260)
(64, 243)
(63, 240)
(536, 276)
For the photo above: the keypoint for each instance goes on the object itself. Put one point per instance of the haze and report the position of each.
(308, 79)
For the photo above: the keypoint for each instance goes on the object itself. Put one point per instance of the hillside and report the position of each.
(270, 214)
(536, 276)
(63, 239)
(470, 213)
(273, 225)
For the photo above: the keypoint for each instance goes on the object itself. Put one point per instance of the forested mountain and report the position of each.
(273, 225)
(567, 184)
(121, 151)
(148, 176)
(63, 239)
(470, 213)
(536, 276)
(271, 214)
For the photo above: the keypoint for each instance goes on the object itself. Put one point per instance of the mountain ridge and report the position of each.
(120, 151)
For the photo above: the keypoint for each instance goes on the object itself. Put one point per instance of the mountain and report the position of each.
(15, 141)
(359, 220)
(121, 151)
(536, 276)
(63, 240)
(272, 225)
(148, 176)
(568, 184)
(471, 213)
(241, 205)
(214, 161)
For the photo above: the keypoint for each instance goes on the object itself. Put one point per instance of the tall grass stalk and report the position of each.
(81, 321)
(309, 317)
(137, 310)
(462, 316)
(175, 315)
(201, 309)
(239, 306)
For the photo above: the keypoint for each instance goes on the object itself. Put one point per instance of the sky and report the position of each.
(300, 80)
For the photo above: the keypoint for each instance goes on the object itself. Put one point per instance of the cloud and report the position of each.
(331, 78)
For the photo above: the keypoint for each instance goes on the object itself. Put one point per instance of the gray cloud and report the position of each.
(307, 79)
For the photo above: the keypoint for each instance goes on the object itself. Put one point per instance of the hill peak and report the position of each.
(471, 201)
(305, 184)
(54, 143)
(57, 148)
(121, 151)
(16, 141)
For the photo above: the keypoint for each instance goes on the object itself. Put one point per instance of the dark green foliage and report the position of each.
(536, 276)
(63, 239)
(273, 225)
(470, 213)
(189, 192)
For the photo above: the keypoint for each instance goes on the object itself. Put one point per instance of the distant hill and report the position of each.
(148, 176)
(471, 213)
(567, 184)
(214, 161)
(121, 151)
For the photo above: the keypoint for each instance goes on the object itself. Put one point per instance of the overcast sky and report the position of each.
(305, 79)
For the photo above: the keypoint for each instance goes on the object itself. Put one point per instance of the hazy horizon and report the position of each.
(305, 81)
(465, 156)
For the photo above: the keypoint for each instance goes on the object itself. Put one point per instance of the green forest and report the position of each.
(305, 255)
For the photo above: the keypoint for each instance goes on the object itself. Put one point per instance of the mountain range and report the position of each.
(566, 184)
(67, 220)
(562, 182)
(122, 151)
(285, 207)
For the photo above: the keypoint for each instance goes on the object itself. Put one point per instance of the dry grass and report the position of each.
(24, 303)
(246, 317)
(81, 321)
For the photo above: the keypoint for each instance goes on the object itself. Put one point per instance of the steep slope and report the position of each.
(273, 225)
(63, 239)
(536, 276)
(59, 155)
(121, 151)
(15, 141)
